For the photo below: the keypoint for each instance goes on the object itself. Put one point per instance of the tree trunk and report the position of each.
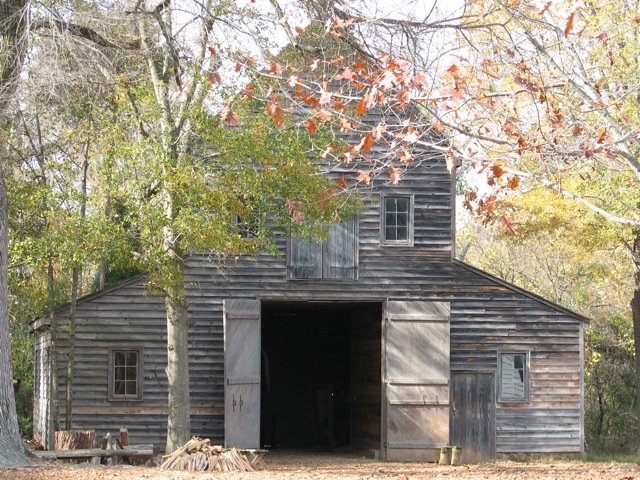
(12, 451)
(179, 416)
(54, 345)
(75, 285)
(179, 400)
(71, 358)
(635, 310)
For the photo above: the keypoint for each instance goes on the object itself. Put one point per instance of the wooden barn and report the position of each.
(376, 339)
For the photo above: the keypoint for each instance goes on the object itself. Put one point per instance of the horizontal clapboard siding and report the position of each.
(487, 316)
(128, 317)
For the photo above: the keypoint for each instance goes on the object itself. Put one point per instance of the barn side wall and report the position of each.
(128, 317)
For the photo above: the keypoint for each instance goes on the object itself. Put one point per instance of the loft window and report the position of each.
(125, 374)
(249, 221)
(247, 228)
(335, 258)
(514, 377)
(397, 220)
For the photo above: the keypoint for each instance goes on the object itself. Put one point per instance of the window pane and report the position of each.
(118, 358)
(118, 388)
(397, 219)
(390, 233)
(132, 359)
(125, 372)
(513, 376)
(131, 373)
(131, 388)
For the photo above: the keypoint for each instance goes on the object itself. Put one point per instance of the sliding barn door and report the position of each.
(416, 377)
(242, 373)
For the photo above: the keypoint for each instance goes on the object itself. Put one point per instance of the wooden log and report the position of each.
(124, 436)
(74, 439)
(137, 450)
(456, 456)
(106, 441)
(445, 456)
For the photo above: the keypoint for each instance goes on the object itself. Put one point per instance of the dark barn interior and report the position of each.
(321, 375)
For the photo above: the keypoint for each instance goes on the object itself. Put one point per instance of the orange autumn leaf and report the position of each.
(602, 133)
(439, 127)
(275, 68)
(342, 182)
(364, 177)
(324, 115)
(361, 108)
(311, 125)
(394, 175)
(546, 7)
(569, 26)
(229, 117)
(364, 145)
(497, 171)
(513, 182)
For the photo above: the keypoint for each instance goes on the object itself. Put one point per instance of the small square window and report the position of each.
(125, 374)
(513, 376)
(397, 221)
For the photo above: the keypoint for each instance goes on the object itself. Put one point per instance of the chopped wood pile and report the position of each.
(198, 455)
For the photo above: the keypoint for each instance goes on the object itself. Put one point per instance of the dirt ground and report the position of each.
(282, 465)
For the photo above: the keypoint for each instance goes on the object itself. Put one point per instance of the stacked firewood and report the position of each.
(198, 455)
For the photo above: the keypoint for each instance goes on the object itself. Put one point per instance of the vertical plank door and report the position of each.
(242, 373)
(473, 416)
(416, 379)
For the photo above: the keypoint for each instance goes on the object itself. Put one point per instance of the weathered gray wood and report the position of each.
(473, 416)
(242, 373)
(416, 376)
(305, 258)
(137, 450)
(340, 254)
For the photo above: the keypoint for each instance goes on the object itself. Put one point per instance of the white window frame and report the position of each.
(112, 395)
(383, 222)
(503, 378)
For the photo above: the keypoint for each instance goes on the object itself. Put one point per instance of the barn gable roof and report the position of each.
(43, 321)
(520, 290)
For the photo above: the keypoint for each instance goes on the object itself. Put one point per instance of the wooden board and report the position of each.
(416, 378)
(473, 416)
(242, 373)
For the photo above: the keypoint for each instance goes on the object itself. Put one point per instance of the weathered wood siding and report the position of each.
(486, 316)
(127, 317)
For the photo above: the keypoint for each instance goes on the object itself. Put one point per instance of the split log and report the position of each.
(124, 436)
(198, 455)
(74, 439)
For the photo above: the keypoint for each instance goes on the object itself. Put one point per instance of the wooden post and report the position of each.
(124, 442)
(106, 445)
(445, 456)
(456, 456)
(124, 437)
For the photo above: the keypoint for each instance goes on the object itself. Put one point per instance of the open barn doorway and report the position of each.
(321, 375)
